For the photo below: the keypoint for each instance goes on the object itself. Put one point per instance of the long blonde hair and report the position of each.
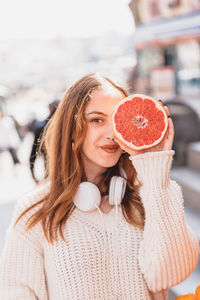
(64, 166)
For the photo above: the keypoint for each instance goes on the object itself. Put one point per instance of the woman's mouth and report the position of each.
(110, 148)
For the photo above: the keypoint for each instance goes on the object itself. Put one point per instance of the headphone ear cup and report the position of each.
(117, 190)
(88, 196)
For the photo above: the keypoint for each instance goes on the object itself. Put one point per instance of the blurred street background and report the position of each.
(149, 46)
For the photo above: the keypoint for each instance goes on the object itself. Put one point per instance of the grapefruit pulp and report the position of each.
(139, 121)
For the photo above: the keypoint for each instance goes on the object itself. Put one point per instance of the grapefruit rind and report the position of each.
(120, 137)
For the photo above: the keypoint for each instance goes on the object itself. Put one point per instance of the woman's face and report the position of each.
(99, 151)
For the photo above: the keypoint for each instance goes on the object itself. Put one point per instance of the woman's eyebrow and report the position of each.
(96, 113)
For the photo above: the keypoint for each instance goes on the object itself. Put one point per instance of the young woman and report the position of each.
(61, 249)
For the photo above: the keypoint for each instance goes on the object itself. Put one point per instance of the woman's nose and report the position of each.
(109, 132)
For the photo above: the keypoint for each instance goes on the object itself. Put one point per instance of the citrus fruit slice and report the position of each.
(197, 293)
(139, 121)
(187, 297)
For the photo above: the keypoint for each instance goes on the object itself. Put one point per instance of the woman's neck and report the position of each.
(94, 176)
(96, 179)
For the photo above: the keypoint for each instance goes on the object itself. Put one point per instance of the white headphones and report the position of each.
(88, 196)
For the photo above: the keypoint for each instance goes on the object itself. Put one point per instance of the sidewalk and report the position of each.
(14, 182)
(12, 187)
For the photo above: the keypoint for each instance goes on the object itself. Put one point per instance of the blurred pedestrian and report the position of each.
(37, 128)
(19, 128)
(9, 138)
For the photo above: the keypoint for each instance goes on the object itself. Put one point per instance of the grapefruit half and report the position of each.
(139, 121)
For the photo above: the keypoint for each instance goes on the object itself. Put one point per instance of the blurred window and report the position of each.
(155, 8)
(148, 59)
(188, 75)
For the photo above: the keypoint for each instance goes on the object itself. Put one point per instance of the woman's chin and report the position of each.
(109, 163)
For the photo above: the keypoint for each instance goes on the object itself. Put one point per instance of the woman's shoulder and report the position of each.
(31, 198)
(18, 226)
(35, 195)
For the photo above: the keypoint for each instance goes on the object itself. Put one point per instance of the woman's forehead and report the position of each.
(102, 99)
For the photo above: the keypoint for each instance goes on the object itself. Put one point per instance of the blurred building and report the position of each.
(167, 43)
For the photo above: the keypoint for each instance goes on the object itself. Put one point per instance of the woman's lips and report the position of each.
(110, 149)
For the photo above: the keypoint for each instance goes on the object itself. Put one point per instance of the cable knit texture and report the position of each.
(148, 261)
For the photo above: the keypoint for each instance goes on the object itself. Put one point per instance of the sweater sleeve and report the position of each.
(169, 250)
(22, 273)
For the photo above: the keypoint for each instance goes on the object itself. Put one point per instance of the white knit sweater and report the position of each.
(140, 265)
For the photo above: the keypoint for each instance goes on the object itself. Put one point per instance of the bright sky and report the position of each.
(69, 18)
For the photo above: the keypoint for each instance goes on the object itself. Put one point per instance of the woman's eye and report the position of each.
(96, 120)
